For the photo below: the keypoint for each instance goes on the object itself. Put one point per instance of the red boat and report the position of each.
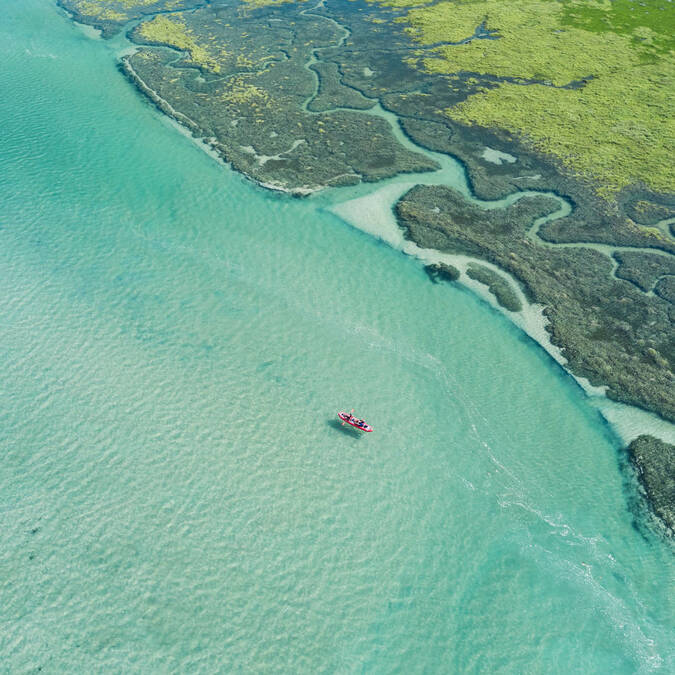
(356, 423)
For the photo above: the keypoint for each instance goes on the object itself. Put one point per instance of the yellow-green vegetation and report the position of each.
(97, 10)
(101, 9)
(267, 3)
(403, 3)
(117, 11)
(650, 24)
(616, 129)
(613, 131)
(240, 91)
(133, 4)
(173, 31)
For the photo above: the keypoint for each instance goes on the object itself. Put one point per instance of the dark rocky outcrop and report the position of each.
(442, 272)
(654, 461)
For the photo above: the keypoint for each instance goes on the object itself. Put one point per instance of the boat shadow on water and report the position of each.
(345, 429)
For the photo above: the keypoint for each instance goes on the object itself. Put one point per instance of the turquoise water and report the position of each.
(174, 492)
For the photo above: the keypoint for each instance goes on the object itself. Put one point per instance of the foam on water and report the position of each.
(175, 491)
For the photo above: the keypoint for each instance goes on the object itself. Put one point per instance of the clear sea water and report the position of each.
(175, 495)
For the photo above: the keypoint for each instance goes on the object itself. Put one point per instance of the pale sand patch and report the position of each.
(497, 156)
(263, 159)
(129, 50)
(629, 422)
(89, 31)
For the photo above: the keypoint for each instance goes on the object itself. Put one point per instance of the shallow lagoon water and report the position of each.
(174, 490)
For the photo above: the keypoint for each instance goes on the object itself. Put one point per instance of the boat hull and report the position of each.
(345, 418)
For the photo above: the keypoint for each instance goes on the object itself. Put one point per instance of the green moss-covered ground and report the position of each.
(590, 82)
(643, 269)
(247, 79)
(172, 31)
